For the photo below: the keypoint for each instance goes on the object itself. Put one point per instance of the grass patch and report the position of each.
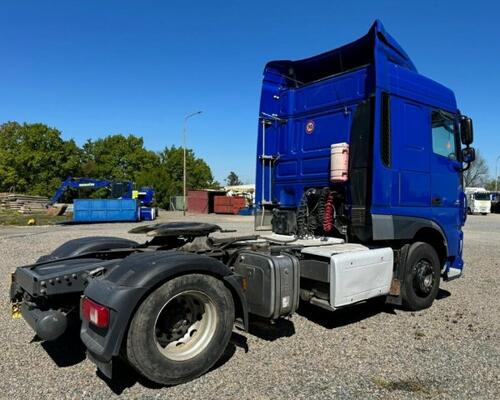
(404, 385)
(8, 217)
(419, 334)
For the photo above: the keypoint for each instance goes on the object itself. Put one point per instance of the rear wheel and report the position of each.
(181, 329)
(423, 273)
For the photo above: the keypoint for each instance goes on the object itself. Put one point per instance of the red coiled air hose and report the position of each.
(329, 214)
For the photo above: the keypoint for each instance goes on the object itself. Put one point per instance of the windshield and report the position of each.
(482, 196)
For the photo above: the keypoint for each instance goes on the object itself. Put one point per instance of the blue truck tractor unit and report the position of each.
(359, 179)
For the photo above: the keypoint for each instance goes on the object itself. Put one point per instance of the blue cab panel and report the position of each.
(105, 210)
(369, 95)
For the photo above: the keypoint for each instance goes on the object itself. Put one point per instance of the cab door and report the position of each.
(447, 198)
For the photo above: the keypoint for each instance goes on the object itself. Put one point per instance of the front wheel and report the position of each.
(423, 273)
(181, 329)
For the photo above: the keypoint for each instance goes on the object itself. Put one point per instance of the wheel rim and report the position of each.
(185, 325)
(423, 278)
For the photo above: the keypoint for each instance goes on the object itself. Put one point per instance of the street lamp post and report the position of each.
(184, 133)
(496, 174)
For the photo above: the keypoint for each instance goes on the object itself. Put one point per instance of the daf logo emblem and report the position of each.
(310, 127)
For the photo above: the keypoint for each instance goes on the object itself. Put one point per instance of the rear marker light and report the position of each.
(95, 313)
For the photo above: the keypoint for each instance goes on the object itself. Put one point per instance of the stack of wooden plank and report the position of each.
(23, 203)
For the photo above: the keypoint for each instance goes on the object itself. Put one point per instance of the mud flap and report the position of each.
(395, 296)
(105, 367)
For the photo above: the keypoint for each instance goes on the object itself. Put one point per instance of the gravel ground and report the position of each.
(449, 351)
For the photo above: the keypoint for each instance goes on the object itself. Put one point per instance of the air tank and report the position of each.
(339, 162)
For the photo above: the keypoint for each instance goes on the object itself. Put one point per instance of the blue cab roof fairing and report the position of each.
(375, 47)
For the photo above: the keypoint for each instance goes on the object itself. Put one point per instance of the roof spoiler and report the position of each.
(376, 47)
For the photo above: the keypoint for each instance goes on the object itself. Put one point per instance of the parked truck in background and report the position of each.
(359, 175)
(495, 202)
(478, 200)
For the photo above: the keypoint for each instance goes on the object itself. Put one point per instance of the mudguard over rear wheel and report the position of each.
(75, 247)
(181, 329)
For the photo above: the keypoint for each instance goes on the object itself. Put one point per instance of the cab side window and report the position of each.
(444, 136)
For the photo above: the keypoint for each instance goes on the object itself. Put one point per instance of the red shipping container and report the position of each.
(223, 201)
(202, 201)
(197, 201)
(228, 205)
(238, 203)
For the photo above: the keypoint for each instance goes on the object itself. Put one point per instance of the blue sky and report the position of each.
(92, 68)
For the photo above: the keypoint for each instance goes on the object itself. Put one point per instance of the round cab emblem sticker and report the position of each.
(310, 127)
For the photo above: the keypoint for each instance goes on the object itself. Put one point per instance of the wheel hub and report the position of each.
(424, 277)
(174, 322)
(185, 325)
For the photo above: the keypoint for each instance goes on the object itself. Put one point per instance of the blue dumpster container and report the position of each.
(105, 210)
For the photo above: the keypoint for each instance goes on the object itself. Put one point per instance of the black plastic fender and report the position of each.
(123, 289)
(87, 244)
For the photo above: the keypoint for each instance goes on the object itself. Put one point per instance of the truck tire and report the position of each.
(181, 329)
(422, 276)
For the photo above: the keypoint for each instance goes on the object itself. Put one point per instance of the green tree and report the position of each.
(199, 174)
(233, 179)
(159, 179)
(167, 178)
(117, 157)
(34, 158)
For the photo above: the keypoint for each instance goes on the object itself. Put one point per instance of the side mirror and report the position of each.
(466, 131)
(468, 155)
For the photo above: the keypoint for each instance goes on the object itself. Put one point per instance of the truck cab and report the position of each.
(403, 135)
(478, 200)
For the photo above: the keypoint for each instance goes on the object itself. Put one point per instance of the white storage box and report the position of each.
(360, 275)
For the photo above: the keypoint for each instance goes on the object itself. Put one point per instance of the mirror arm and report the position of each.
(468, 164)
(466, 168)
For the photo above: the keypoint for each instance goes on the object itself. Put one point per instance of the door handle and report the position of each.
(436, 201)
